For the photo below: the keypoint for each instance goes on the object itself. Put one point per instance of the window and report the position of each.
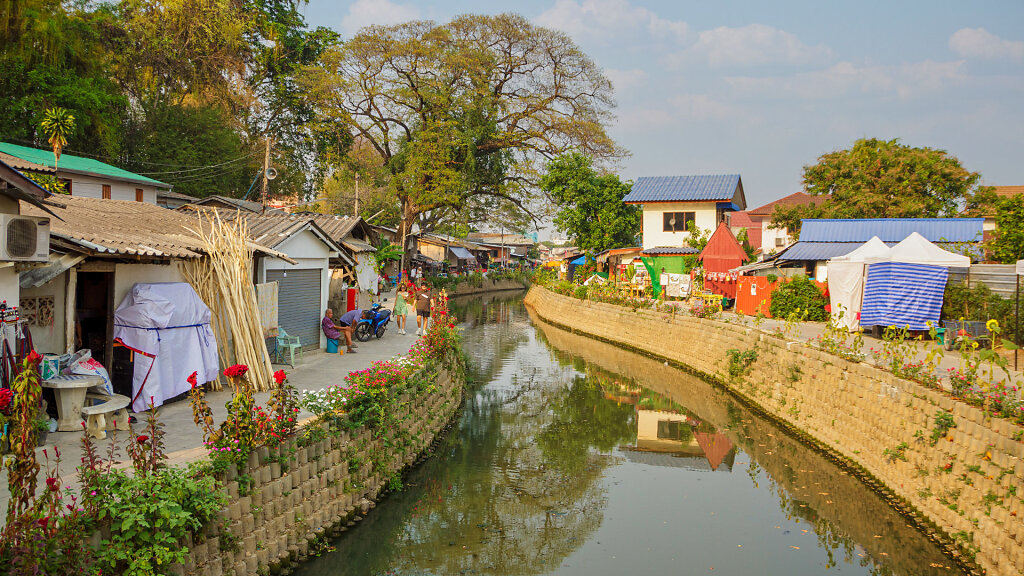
(138, 194)
(677, 221)
(106, 191)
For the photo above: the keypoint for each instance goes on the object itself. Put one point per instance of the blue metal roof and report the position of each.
(892, 229)
(717, 187)
(817, 250)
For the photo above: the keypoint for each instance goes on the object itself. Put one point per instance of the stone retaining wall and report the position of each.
(855, 411)
(465, 289)
(313, 493)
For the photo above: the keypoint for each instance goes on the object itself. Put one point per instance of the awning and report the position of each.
(57, 265)
(357, 245)
(755, 266)
(461, 253)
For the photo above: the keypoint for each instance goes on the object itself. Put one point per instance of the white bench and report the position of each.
(102, 412)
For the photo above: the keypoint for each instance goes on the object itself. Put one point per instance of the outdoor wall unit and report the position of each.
(24, 238)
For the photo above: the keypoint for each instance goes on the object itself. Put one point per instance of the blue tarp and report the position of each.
(901, 294)
(578, 261)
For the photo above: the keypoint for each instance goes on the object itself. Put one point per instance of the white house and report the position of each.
(671, 203)
(84, 177)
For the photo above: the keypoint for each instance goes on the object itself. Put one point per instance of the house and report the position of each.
(503, 246)
(824, 239)
(83, 177)
(173, 200)
(457, 253)
(228, 203)
(1002, 192)
(671, 204)
(757, 222)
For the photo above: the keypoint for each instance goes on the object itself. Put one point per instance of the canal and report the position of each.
(572, 456)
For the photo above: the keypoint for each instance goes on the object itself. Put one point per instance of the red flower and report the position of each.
(192, 379)
(34, 357)
(51, 483)
(280, 376)
(142, 439)
(6, 397)
(236, 371)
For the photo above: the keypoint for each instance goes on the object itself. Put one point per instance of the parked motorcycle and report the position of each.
(376, 324)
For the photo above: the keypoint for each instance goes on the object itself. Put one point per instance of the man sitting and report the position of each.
(347, 327)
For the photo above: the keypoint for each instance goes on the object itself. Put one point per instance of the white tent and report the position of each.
(167, 325)
(846, 281)
(915, 249)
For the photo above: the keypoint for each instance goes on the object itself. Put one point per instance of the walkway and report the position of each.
(183, 439)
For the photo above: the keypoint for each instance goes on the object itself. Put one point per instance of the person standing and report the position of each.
(424, 302)
(403, 299)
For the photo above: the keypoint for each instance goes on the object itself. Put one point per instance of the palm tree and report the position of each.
(386, 252)
(57, 124)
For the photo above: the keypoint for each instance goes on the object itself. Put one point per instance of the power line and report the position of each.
(205, 176)
(239, 159)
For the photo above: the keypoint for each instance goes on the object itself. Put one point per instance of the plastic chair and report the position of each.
(289, 344)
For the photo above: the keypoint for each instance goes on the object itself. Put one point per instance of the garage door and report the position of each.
(298, 304)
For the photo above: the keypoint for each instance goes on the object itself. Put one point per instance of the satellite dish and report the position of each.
(271, 173)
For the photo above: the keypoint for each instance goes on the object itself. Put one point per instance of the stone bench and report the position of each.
(103, 411)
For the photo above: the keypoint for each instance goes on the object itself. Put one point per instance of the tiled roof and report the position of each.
(719, 187)
(1009, 190)
(892, 229)
(741, 220)
(72, 163)
(797, 198)
(122, 227)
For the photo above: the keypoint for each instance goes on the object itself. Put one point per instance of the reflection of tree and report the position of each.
(497, 326)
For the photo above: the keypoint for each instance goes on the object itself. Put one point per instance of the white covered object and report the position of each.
(915, 249)
(846, 281)
(167, 325)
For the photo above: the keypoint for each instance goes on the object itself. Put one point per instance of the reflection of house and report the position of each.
(84, 177)
(677, 440)
(672, 203)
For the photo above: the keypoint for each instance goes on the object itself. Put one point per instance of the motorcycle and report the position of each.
(375, 325)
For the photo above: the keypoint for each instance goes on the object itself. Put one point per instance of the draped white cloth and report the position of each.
(167, 325)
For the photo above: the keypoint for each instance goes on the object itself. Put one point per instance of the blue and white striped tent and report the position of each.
(903, 294)
(905, 288)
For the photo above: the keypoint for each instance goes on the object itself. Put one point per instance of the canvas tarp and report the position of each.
(915, 249)
(266, 300)
(167, 325)
(903, 294)
(846, 282)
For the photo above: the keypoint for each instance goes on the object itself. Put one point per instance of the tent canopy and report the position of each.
(873, 248)
(915, 249)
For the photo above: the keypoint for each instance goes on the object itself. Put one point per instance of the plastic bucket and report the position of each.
(332, 345)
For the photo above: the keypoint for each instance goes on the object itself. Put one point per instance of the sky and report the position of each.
(764, 88)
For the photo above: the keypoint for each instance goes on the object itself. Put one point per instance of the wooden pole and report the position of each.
(266, 166)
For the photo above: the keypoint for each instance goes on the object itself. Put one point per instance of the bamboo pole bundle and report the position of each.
(223, 279)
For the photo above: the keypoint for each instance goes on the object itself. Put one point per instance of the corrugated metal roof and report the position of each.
(461, 253)
(670, 251)
(712, 187)
(337, 227)
(73, 163)
(892, 229)
(122, 227)
(236, 203)
(817, 250)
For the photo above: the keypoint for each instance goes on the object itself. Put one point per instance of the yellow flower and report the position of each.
(992, 325)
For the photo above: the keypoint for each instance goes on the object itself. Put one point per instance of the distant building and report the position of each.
(84, 177)
(672, 203)
(173, 200)
(758, 223)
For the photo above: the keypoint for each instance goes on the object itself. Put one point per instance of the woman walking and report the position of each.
(402, 301)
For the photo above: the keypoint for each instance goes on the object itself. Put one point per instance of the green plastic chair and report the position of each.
(289, 344)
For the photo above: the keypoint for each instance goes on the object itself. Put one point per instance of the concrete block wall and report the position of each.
(854, 410)
(311, 493)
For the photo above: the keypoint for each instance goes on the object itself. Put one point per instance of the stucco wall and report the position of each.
(92, 187)
(769, 236)
(50, 339)
(654, 222)
(855, 411)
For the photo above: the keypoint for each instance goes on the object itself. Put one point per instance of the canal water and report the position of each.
(575, 457)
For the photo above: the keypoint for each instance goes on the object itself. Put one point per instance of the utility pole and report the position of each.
(266, 166)
(357, 195)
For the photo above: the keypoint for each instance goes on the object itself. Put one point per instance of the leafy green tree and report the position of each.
(386, 252)
(590, 207)
(465, 110)
(1007, 244)
(882, 177)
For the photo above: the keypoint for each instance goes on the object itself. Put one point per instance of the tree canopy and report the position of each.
(464, 114)
(877, 178)
(1007, 244)
(590, 210)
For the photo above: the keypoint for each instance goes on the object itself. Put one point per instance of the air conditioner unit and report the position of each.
(24, 238)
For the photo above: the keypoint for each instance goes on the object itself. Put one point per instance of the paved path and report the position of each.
(183, 439)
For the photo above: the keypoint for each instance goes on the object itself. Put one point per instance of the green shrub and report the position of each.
(979, 302)
(580, 292)
(801, 294)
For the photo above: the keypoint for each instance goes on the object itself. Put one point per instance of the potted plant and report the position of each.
(42, 429)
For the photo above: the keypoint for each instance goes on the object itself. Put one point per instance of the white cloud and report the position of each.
(602, 20)
(363, 13)
(752, 45)
(697, 107)
(980, 43)
(846, 78)
(626, 80)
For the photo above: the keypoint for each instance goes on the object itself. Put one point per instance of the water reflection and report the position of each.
(560, 464)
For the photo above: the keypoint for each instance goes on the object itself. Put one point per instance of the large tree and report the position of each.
(466, 111)
(883, 178)
(1007, 244)
(590, 207)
